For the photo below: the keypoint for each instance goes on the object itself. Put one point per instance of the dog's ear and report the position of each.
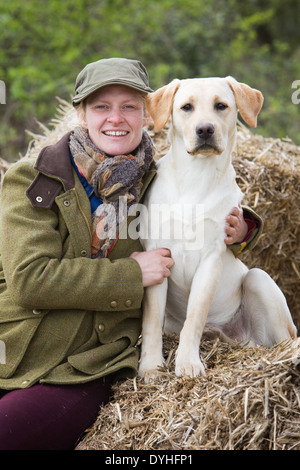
(159, 103)
(248, 100)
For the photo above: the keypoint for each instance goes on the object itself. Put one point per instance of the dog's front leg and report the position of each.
(202, 291)
(152, 329)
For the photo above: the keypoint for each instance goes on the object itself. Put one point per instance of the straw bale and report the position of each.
(64, 122)
(268, 172)
(4, 165)
(249, 398)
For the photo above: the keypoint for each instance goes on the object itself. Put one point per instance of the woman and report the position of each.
(70, 291)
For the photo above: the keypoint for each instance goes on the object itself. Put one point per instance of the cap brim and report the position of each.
(81, 96)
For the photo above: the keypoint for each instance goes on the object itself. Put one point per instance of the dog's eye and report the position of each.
(187, 107)
(220, 106)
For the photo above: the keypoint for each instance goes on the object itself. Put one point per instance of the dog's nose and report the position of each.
(205, 131)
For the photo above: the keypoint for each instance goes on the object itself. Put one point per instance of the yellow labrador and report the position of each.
(208, 285)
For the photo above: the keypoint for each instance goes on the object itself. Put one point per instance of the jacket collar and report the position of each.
(54, 161)
(55, 171)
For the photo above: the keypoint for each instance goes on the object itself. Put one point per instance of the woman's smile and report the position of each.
(115, 133)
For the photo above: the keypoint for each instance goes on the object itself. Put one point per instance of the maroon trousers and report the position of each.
(49, 417)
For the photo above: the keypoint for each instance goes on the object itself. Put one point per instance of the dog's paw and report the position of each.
(189, 367)
(149, 369)
(149, 375)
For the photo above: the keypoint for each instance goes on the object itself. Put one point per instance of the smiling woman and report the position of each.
(69, 323)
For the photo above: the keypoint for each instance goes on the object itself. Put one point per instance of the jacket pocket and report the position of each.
(15, 338)
(96, 360)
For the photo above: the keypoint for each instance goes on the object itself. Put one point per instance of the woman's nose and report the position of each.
(115, 116)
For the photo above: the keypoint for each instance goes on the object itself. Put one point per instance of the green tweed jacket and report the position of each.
(64, 318)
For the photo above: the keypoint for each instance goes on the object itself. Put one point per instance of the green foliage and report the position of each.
(44, 45)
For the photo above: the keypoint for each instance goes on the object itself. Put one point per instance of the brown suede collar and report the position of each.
(55, 172)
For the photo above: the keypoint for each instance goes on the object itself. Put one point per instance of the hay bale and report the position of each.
(64, 122)
(268, 172)
(4, 166)
(248, 400)
(250, 397)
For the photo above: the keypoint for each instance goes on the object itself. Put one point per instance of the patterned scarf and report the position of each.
(117, 180)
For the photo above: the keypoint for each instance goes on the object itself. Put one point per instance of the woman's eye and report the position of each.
(187, 107)
(101, 106)
(220, 106)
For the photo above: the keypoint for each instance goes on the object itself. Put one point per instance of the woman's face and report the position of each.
(114, 117)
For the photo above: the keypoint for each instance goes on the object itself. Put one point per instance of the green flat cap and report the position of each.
(114, 71)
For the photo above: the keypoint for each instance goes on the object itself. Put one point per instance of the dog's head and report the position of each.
(204, 111)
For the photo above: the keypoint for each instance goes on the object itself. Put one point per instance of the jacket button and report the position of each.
(128, 303)
(101, 327)
(66, 203)
(113, 304)
(36, 312)
(83, 253)
(39, 199)
(24, 383)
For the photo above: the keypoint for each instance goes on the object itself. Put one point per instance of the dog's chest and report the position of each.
(186, 264)
(186, 211)
(179, 213)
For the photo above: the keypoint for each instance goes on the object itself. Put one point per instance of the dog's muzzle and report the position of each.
(205, 140)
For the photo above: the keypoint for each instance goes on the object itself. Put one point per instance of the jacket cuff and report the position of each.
(255, 227)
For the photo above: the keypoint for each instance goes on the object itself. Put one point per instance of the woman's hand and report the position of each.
(236, 228)
(155, 265)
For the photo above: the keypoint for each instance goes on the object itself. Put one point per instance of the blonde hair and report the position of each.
(81, 109)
